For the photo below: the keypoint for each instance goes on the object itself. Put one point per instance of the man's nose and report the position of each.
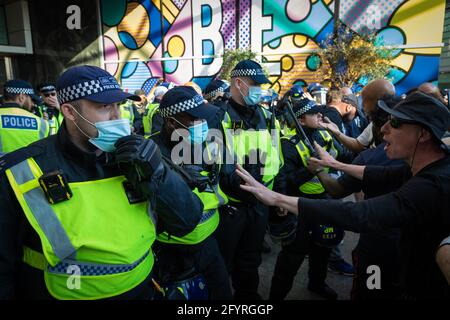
(385, 128)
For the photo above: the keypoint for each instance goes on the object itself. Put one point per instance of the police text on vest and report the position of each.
(19, 122)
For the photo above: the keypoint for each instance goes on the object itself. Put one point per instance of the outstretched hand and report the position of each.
(261, 192)
(327, 124)
(325, 159)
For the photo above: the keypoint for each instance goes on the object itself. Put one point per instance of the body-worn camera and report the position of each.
(55, 187)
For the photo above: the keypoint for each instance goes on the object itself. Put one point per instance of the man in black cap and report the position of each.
(380, 247)
(199, 159)
(18, 126)
(80, 208)
(50, 109)
(420, 207)
(252, 134)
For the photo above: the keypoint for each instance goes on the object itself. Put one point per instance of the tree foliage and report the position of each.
(351, 58)
(233, 57)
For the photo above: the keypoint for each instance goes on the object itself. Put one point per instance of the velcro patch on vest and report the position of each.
(19, 122)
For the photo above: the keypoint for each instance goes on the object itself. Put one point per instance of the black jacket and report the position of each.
(18, 280)
(293, 174)
(420, 207)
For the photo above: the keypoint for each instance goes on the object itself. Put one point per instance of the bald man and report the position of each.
(431, 90)
(379, 89)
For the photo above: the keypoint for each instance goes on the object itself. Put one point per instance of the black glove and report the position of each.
(195, 179)
(142, 155)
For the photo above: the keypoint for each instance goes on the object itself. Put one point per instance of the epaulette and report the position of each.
(295, 139)
(9, 160)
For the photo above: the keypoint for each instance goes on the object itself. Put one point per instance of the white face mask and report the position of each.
(254, 94)
(108, 132)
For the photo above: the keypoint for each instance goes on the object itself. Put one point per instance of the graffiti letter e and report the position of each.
(74, 20)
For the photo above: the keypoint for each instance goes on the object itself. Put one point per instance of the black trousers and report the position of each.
(205, 258)
(240, 237)
(291, 258)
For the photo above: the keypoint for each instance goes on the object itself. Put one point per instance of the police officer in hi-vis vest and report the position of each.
(252, 135)
(18, 126)
(80, 208)
(294, 179)
(49, 109)
(196, 153)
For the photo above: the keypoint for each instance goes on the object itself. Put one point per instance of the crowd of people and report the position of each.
(169, 195)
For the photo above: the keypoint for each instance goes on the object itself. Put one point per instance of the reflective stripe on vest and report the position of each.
(19, 128)
(314, 186)
(212, 198)
(241, 142)
(107, 242)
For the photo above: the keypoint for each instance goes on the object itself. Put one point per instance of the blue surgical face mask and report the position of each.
(108, 132)
(198, 133)
(254, 95)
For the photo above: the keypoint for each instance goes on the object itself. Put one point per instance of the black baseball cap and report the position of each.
(20, 86)
(251, 69)
(46, 87)
(90, 83)
(186, 99)
(350, 99)
(304, 106)
(424, 110)
(215, 87)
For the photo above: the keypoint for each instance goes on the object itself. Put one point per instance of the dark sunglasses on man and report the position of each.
(395, 122)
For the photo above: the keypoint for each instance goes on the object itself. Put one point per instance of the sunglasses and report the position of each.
(396, 122)
(52, 94)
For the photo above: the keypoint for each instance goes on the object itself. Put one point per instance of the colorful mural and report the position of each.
(182, 40)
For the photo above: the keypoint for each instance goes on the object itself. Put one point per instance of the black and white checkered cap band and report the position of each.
(80, 90)
(213, 93)
(308, 106)
(247, 73)
(182, 106)
(19, 90)
(48, 88)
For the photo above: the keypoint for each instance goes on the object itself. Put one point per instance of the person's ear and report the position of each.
(171, 124)
(21, 98)
(302, 120)
(68, 111)
(424, 135)
(238, 86)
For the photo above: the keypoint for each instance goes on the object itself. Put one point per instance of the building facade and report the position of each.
(182, 40)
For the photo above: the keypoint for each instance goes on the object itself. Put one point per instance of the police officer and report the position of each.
(295, 180)
(252, 134)
(49, 109)
(128, 110)
(217, 92)
(79, 208)
(18, 126)
(152, 120)
(186, 115)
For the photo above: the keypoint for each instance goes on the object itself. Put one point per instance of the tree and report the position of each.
(231, 58)
(351, 58)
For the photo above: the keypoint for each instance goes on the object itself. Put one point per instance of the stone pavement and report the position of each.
(341, 284)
